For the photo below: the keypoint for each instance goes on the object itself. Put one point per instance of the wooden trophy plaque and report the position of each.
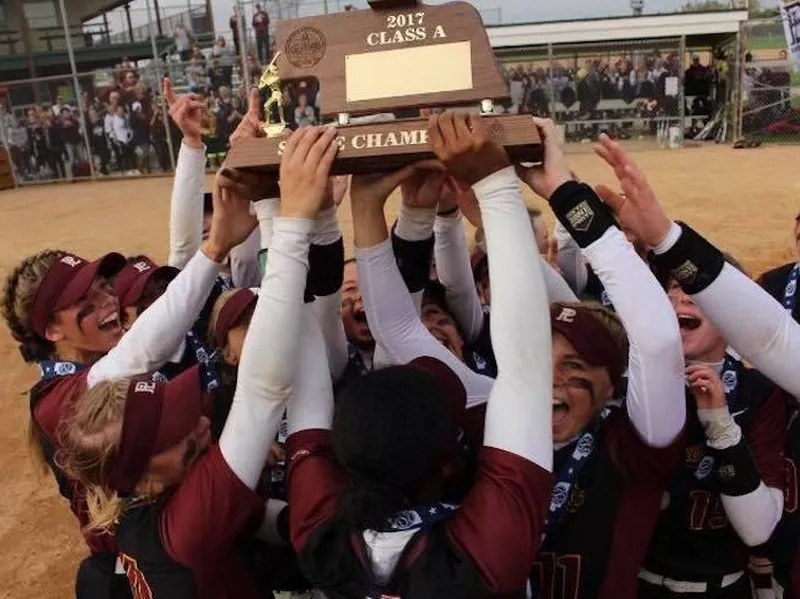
(396, 55)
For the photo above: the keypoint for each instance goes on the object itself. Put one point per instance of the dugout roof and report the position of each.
(700, 29)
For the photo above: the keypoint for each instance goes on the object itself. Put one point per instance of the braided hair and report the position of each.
(18, 294)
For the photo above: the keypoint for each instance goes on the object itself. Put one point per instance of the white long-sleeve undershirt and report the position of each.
(395, 324)
(455, 273)
(570, 260)
(519, 411)
(245, 271)
(753, 323)
(154, 337)
(755, 515)
(269, 356)
(656, 387)
(328, 309)
(186, 206)
(311, 404)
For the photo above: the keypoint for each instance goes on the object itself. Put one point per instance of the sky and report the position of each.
(506, 11)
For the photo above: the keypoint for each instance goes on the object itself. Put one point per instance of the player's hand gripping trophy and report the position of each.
(271, 79)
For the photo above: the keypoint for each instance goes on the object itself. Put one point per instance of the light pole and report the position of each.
(637, 6)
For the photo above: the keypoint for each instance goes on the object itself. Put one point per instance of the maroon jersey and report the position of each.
(185, 544)
(694, 540)
(51, 402)
(612, 509)
(477, 551)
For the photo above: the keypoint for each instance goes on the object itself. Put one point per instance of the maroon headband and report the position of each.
(157, 416)
(68, 280)
(590, 338)
(131, 280)
(232, 311)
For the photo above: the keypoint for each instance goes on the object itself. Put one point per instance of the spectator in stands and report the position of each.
(71, 138)
(17, 143)
(254, 66)
(196, 73)
(304, 114)
(129, 82)
(55, 144)
(697, 79)
(261, 28)
(121, 139)
(229, 113)
(183, 41)
(140, 127)
(98, 142)
(58, 106)
(37, 142)
(223, 61)
(158, 136)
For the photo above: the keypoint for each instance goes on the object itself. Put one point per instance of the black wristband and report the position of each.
(693, 262)
(735, 470)
(325, 268)
(413, 261)
(582, 213)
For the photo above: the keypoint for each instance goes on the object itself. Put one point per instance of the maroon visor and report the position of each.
(131, 280)
(232, 312)
(590, 338)
(157, 416)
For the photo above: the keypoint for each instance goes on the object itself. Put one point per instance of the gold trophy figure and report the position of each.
(271, 79)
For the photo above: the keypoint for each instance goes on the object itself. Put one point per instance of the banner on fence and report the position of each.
(790, 15)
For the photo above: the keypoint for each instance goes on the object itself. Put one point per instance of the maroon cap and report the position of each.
(131, 280)
(68, 280)
(157, 416)
(590, 338)
(232, 311)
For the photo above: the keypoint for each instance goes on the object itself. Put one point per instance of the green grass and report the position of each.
(767, 42)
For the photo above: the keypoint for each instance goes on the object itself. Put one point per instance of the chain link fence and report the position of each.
(652, 93)
(770, 109)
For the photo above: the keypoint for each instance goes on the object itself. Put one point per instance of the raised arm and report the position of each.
(161, 328)
(755, 325)
(455, 271)
(753, 497)
(570, 260)
(186, 202)
(325, 284)
(315, 477)
(245, 271)
(655, 361)
(269, 357)
(513, 483)
(393, 320)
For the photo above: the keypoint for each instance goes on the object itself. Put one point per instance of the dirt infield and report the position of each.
(744, 200)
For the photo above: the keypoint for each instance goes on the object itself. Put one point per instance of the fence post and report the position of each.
(242, 44)
(682, 89)
(551, 106)
(159, 83)
(736, 85)
(76, 84)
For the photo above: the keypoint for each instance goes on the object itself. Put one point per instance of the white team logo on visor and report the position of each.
(567, 315)
(71, 261)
